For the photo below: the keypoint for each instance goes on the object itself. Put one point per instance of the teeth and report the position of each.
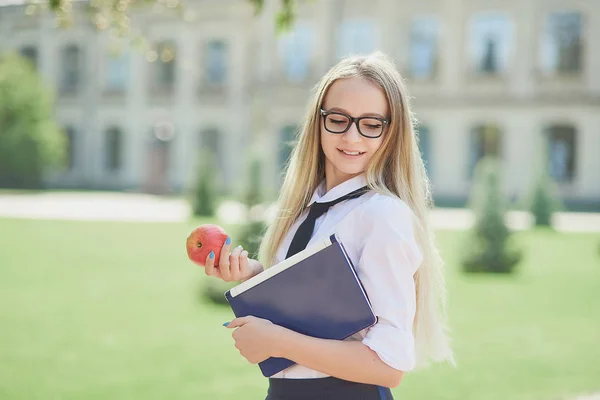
(352, 154)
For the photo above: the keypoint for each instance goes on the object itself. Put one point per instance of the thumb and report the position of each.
(237, 322)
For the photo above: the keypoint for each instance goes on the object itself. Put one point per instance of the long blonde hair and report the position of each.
(396, 169)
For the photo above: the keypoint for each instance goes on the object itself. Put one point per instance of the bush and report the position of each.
(543, 201)
(204, 197)
(30, 139)
(252, 230)
(487, 247)
(249, 235)
(213, 290)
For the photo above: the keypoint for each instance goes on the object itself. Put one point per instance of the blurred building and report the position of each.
(510, 77)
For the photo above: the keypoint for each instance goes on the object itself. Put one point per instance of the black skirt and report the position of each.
(329, 388)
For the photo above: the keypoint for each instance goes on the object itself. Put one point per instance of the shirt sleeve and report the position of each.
(389, 258)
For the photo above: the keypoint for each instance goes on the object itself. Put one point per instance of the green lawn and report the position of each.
(111, 311)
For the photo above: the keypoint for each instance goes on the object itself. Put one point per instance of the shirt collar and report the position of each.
(340, 190)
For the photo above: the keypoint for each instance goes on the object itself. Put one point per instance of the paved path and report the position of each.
(117, 206)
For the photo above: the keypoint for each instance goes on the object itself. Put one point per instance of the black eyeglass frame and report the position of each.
(384, 122)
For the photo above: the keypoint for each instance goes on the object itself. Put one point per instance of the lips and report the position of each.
(351, 153)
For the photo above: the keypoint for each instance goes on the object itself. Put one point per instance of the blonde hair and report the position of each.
(396, 169)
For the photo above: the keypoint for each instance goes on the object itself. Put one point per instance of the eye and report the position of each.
(373, 126)
(338, 120)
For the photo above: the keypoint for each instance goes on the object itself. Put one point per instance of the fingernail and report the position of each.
(212, 254)
(228, 241)
(225, 324)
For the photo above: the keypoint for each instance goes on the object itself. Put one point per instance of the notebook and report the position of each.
(315, 292)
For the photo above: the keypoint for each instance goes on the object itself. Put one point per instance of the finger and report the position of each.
(224, 260)
(234, 263)
(209, 265)
(237, 322)
(244, 272)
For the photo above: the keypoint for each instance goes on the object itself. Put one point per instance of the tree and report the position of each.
(30, 139)
(204, 198)
(488, 246)
(249, 235)
(543, 199)
(111, 14)
(254, 226)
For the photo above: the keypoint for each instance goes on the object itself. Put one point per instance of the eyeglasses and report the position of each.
(337, 122)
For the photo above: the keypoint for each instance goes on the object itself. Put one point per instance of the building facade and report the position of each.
(519, 79)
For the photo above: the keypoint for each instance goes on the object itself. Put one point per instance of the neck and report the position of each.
(335, 177)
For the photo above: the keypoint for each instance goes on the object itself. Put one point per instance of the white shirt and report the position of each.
(377, 232)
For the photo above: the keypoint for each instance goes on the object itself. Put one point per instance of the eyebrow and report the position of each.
(338, 109)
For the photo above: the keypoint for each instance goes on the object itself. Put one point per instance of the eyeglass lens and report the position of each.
(339, 123)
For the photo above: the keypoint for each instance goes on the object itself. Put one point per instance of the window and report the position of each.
(165, 66)
(113, 149)
(561, 152)
(287, 135)
(216, 62)
(71, 69)
(211, 140)
(356, 36)
(30, 53)
(485, 141)
(561, 48)
(490, 40)
(295, 48)
(70, 146)
(425, 146)
(423, 47)
(117, 72)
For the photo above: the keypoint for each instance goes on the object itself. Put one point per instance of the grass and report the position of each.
(111, 311)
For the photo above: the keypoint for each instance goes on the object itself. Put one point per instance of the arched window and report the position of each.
(71, 69)
(424, 136)
(562, 154)
(211, 139)
(490, 41)
(485, 140)
(70, 147)
(424, 56)
(215, 64)
(30, 53)
(165, 67)
(113, 149)
(286, 143)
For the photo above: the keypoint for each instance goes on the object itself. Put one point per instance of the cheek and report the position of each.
(328, 142)
(374, 145)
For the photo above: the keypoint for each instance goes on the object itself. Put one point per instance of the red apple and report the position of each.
(203, 240)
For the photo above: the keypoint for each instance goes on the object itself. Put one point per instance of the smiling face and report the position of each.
(355, 97)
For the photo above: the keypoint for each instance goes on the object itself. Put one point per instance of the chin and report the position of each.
(350, 169)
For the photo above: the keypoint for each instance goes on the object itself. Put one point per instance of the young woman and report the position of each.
(358, 134)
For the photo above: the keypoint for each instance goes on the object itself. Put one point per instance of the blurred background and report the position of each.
(126, 124)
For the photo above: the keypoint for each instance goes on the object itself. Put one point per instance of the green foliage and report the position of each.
(204, 198)
(213, 290)
(30, 139)
(543, 201)
(253, 194)
(253, 228)
(116, 15)
(488, 246)
(249, 235)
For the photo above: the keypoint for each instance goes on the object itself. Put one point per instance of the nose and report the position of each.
(352, 135)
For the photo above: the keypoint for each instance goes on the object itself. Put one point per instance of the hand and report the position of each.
(255, 338)
(234, 266)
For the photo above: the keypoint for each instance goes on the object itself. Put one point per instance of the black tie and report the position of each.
(305, 231)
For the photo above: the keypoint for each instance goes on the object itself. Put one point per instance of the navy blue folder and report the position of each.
(316, 292)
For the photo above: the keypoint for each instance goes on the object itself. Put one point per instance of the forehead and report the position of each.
(357, 96)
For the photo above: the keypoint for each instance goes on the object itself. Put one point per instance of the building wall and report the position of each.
(258, 100)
